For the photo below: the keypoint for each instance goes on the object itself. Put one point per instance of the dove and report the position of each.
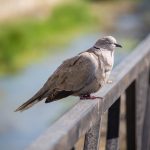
(80, 75)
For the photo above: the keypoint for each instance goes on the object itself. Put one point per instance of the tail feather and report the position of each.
(54, 95)
(35, 99)
(27, 105)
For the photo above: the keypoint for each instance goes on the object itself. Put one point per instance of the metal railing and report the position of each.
(132, 77)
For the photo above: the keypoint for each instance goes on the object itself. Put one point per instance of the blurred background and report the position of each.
(37, 35)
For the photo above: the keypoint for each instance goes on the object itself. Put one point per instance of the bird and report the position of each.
(81, 75)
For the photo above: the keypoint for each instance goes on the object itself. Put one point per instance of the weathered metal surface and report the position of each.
(112, 142)
(141, 100)
(92, 137)
(136, 99)
(146, 125)
(65, 132)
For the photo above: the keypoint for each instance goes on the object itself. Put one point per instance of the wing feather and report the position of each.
(73, 74)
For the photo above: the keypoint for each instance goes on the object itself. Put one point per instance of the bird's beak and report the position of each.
(118, 45)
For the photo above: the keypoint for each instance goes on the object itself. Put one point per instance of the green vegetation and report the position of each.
(23, 41)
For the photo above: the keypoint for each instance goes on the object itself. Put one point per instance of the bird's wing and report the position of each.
(69, 77)
(73, 74)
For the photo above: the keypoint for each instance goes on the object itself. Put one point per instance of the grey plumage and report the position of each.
(81, 75)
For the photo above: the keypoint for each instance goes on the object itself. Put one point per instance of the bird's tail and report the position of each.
(35, 99)
(27, 105)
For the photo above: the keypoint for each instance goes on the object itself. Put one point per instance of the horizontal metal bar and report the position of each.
(65, 132)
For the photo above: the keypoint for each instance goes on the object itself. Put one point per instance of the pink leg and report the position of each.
(88, 96)
(95, 97)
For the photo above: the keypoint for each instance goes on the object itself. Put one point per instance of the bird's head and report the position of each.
(108, 43)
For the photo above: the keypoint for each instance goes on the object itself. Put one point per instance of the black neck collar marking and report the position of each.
(96, 47)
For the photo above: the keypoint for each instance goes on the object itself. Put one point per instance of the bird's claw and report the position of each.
(109, 82)
(86, 97)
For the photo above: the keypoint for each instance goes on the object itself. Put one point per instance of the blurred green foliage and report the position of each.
(95, 0)
(22, 41)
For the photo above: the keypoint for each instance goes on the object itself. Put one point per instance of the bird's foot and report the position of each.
(85, 97)
(96, 97)
(109, 82)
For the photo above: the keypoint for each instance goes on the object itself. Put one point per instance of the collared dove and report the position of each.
(79, 76)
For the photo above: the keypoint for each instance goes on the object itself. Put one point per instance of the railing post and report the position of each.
(92, 137)
(141, 100)
(146, 126)
(131, 116)
(112, 142)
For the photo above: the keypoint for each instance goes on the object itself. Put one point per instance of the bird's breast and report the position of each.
(105, 64)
